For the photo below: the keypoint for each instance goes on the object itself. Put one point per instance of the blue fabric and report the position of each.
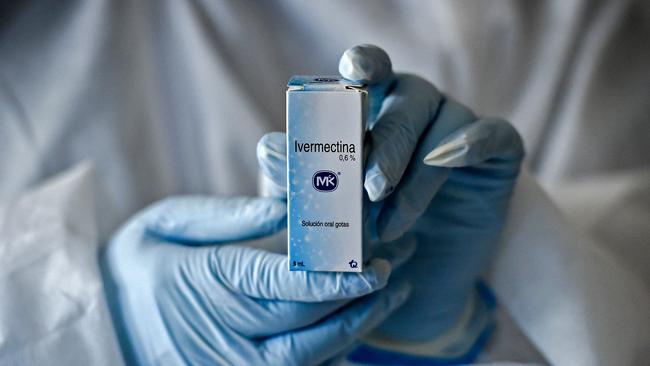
(367, 354)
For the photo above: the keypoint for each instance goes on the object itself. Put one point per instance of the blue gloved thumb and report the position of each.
(370, 65)
(210, 220)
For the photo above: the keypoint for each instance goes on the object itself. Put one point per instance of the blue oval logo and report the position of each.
(325, 181)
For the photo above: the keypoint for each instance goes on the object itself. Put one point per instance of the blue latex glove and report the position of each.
(437, 171)
(180, 295)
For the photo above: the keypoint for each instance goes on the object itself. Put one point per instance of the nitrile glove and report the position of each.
(182, 293)
(436, 171)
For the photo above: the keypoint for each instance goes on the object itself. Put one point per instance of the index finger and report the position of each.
(405, 114)
(400, 109)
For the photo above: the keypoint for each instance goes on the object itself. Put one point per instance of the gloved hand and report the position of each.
(180, 295)
(439, 172)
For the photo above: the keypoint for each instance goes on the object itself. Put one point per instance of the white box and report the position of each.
(325, 132)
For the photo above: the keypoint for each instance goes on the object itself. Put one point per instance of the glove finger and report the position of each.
(259, 317)
(370, 65)
(487, 140)
(265, 275)
(405, 114)
(208, 220)
(365, 63)
(272, 159)
(334, 334)
(420, 182)
(256, 318)
(491, 146)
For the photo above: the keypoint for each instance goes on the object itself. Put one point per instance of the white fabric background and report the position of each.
(171, 97)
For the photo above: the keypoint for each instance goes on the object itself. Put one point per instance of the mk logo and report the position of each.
(325, 181)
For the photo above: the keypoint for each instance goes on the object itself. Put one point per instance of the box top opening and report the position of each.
(322, 82)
